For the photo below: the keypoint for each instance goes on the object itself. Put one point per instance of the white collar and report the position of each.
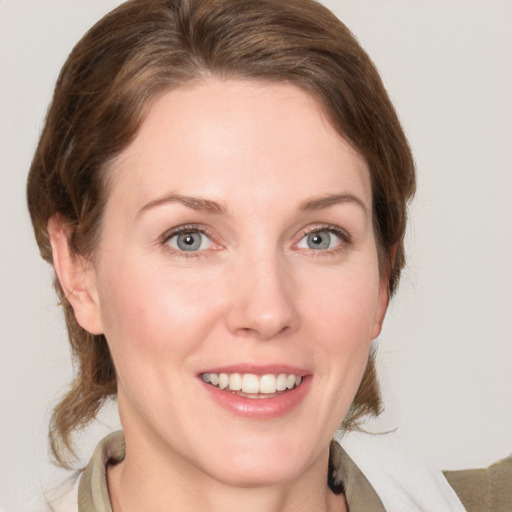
(404, 482)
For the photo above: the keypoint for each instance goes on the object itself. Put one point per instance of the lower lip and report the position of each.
(260, 408)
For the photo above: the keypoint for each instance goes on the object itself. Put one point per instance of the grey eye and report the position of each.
(320, 240)
(190, 241)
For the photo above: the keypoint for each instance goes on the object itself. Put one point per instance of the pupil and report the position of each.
(189, 241)
(319, 240)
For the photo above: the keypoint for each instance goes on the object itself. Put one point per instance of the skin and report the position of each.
(255, 293)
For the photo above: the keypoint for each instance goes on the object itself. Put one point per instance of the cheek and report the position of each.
(341, 314)
(344, 303)
(154, 311)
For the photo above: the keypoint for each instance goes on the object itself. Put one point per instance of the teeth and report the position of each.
(223, 380)
(253, 384)
(235, 381)
(250, 383)
(268, 384)
(281, 382)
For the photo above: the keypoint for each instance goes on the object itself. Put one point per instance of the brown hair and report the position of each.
(145, 47)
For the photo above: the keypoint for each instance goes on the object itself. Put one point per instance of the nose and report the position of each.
(262, 304)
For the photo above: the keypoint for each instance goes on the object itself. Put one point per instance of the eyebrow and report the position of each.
(323, 202)
(196, 203)
(209, 206)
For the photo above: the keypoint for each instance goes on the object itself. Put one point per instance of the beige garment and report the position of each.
(93, 491)
(484, 490)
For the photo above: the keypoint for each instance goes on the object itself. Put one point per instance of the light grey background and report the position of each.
(445, 355)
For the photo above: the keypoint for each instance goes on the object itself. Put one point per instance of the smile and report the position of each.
(251, 385)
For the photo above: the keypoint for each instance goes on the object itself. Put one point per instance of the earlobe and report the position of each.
(76, 277)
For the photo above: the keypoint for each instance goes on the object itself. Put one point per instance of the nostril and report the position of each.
(265, 332)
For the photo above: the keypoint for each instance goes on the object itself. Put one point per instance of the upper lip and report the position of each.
(256, 369)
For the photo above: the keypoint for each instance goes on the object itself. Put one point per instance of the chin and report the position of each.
(259, 464)
(254, 475)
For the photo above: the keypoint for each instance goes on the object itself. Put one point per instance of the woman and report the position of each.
(221, 188)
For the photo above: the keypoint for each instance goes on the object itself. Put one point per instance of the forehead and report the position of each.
(223, 135)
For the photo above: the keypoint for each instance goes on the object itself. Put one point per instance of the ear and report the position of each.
(76, 276)
(383, 297)
(382, 307)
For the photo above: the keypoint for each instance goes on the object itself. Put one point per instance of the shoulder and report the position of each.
(484, 490)
(88, 491)
(404, 481)
(62, 498)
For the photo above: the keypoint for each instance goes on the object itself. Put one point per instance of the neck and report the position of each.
(165, 483)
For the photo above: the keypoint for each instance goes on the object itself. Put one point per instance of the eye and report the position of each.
(190, 241)
(322, 240)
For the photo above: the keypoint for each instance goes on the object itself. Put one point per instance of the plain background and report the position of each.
(445, 355)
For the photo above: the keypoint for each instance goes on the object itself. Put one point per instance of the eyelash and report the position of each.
(346, 239)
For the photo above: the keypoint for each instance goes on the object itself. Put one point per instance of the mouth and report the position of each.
(257, 392)
(250, 385)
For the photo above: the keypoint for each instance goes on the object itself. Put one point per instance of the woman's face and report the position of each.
(237, 246)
